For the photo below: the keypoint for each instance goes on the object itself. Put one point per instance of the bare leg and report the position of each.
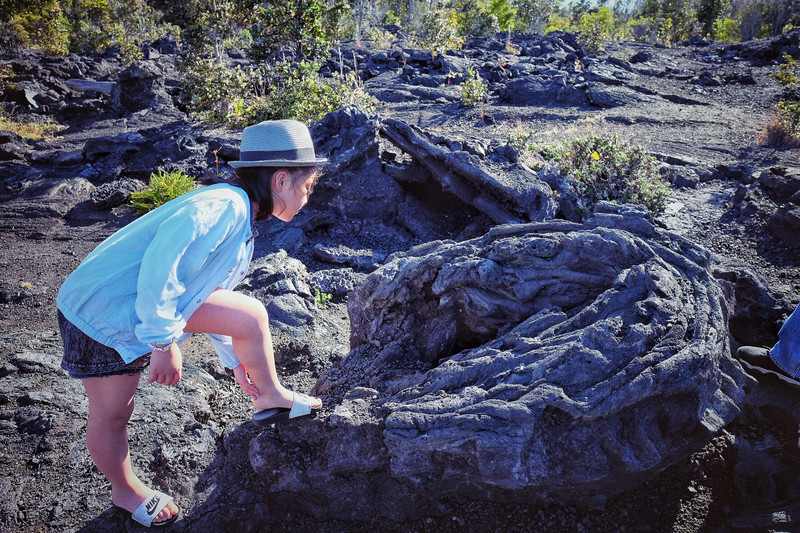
(245, 320)
(110, 408)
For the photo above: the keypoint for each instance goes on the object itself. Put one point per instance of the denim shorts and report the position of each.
(84, 357)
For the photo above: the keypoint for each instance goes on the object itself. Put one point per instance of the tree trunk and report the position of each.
(215, 36)
(539, 17)
(360, 24)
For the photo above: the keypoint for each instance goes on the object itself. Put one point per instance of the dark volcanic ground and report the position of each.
(745, 479)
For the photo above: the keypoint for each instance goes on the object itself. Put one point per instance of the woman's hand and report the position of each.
(165, 367)
(240, 373)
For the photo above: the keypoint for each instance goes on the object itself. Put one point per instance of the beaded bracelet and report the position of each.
(164, 348)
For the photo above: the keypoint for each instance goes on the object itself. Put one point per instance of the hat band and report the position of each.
(300, 154)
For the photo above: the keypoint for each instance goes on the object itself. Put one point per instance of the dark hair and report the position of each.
(257, 183)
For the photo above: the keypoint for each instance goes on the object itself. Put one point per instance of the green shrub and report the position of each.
(6, 73)
(390, 18)
(727, 29)
(297, 92)
(309, 27)
(210, 89)
(665, 32)
(638, 29)
(164, 186)
(130, 49)
(504, 11)
(473, 90)
(789, 75)
(790, 117)
(605, 168)
(440, 31)
(43, 25)
(349, 91)
(240, 96)
(596, 27)
(789, 107)
(381, 38)
(556, 23)
(83, 26)
(241, 41)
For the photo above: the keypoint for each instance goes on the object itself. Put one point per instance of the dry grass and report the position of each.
(29, 130)
(778, 135)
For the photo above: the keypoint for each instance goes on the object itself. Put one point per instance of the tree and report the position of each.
(304, 25)
(671, 20)
(532, 15)
(505, 13)
(595, 27)
(749, 13)
(469, 14)
(708, 11)
(778, 13)
(205, 24)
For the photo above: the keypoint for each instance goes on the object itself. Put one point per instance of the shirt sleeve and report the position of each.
(175, 256)
(223, 345)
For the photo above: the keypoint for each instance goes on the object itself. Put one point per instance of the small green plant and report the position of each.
(237, 116)
(6, 73)
(518, 139)
(788, 75)
(605, 168)
(790, 116)
(390, 18)
(789, 107)
(350, 91)
(473, 89)
(164, 186)
(381, 39)
(322, 298)
(243, 40)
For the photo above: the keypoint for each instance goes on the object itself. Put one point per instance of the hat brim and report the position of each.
(318, 162)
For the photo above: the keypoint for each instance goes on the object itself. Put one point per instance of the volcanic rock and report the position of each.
(552, 361)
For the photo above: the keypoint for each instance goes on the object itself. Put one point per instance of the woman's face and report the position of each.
(290, 195)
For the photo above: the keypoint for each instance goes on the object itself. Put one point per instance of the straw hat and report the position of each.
(277, 143)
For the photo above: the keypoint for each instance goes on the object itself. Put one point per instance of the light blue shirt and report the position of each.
(140, 285)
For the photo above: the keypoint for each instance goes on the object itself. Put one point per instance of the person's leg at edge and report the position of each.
(245, 320)
(110, 407)
(786, 352)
